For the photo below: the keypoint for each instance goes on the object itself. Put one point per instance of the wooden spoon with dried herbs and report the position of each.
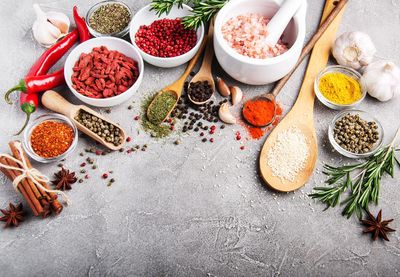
(165, 100)
(361, 180)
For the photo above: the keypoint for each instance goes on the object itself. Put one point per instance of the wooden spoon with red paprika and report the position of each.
(266, 101)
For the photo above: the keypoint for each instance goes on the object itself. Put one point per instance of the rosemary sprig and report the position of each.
(203, 10)
(361, 180)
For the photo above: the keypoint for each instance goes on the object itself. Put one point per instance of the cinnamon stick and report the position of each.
(22, 187)
(51, 197)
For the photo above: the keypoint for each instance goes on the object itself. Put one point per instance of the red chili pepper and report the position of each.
(80, 23)
(52, 55)
(30, 102)
(35, 84)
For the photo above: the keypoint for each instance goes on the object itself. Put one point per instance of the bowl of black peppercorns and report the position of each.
(355, 134)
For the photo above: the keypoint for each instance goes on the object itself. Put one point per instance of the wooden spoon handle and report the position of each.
(191, 64)
(209, 54)
(55, 102)
(311, 43)
(319, 58)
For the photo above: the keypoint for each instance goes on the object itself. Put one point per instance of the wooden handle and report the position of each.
(55, 102)
(319, 57)
(192, 62)
(311, 43)
(209, 54)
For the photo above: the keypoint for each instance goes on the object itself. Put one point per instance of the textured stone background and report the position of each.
(195, 209)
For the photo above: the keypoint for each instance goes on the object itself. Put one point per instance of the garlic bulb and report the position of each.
(354, 49)
(381, 79)
(49, 27)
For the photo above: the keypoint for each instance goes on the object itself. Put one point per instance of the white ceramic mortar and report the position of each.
(259, 71)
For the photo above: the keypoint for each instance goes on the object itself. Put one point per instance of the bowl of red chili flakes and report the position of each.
(104, 71)
(50, 138)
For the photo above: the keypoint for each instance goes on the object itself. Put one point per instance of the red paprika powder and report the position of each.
(257, 133)
(259, 112)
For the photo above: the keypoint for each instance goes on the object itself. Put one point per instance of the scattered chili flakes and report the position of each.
(50, 138)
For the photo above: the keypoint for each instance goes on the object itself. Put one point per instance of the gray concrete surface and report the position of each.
(195, 209)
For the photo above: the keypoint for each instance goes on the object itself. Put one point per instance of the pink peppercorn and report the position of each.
(83, 164)
(99, 152)
(128, 139)
(105, 176)
(242, 147)
(136, 117)
(165, 38)
(211, 140)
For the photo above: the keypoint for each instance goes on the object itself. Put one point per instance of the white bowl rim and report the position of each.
(248, 60)
(155, 58)
(103, 100)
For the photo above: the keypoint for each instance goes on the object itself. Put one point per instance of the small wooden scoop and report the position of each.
(205, 73)
(301, 115)
(55, 102)
(177, 87)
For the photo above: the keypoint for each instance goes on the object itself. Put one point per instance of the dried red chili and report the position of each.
(50, 139)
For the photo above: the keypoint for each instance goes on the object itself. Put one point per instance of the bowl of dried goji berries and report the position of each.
(163, 40)
(104, 71)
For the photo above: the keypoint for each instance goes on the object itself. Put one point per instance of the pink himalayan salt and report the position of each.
(246, 35)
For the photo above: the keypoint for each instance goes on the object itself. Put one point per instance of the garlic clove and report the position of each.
(49, 27)
(225, 114)
(223, 87)
(45, 33)
(237, 95)
(59, 20)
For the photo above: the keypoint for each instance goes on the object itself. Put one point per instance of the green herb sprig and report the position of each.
(203, 10)
(361, 180)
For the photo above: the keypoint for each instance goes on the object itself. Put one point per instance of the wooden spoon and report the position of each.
(205, 73)
(301, 115)
(177, 87)
(270, 96)
(55, 102)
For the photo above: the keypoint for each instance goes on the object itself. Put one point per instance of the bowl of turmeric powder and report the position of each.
(339, 88)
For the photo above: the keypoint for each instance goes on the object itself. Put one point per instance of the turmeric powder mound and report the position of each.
(340, 88)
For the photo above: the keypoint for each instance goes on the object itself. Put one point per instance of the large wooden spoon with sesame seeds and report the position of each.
(300, 118)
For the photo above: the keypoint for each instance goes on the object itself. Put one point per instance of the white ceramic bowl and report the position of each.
(146, 17)
(112, 44)
(259, 71)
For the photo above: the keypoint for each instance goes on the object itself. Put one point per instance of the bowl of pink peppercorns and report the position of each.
(162, 40)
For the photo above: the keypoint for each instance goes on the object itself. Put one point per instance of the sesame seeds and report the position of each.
(288, 155)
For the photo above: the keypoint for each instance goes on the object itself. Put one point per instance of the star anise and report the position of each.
(376, 226)
(64, 179)
(13, 216)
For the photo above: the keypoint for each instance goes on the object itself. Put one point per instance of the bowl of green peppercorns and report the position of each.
(355, 134)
